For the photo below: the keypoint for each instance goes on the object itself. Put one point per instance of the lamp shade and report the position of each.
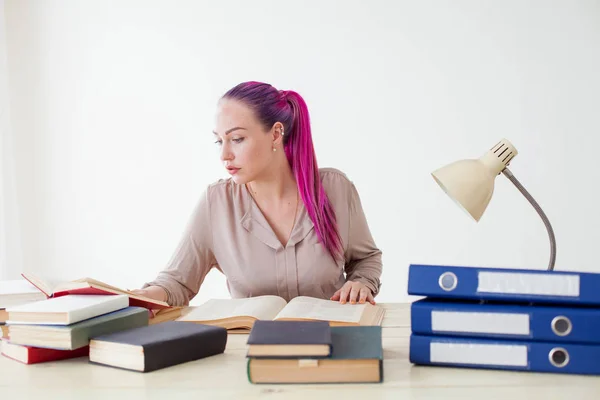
(470, 183)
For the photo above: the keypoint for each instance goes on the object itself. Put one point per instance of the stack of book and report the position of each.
(60, 328)
(314, 352)
(160, 311)
(492, 318)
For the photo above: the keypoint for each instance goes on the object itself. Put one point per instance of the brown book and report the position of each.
(239, 315)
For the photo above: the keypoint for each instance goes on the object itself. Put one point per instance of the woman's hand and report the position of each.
(152, 292)
(353, 292)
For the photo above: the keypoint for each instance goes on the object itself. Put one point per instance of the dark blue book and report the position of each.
(503, 320)
(158, 346)
(289, 339)
(503, 284)
(480, 353)
(356, 357)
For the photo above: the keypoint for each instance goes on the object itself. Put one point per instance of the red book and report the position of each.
(90, 286)
(34, 355)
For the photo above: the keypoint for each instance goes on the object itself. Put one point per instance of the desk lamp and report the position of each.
(470, 183)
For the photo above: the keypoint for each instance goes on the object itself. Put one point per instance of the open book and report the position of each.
(238, 315)
(89, 286)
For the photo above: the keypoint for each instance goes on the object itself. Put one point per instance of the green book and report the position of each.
(75, 336)
(356, 357)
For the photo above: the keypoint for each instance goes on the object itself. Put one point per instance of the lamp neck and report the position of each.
(541, 213)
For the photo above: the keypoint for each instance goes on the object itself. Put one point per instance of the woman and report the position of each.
(279, 225)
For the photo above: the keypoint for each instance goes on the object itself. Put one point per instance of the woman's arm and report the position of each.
(363, 258)
(180, 281)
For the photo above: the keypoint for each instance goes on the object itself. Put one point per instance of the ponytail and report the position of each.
(300, 153)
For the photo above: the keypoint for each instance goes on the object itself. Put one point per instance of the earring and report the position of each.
(282, 133)
(274, 149)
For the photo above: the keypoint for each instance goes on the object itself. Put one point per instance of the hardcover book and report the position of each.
(158, 346)
(65, 310)
(288, 339)
(35, 355)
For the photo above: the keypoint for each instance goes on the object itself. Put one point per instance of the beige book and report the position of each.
(238, 315)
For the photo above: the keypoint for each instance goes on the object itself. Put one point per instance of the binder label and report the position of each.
(478, 354)
(479, 322)
(527, 283)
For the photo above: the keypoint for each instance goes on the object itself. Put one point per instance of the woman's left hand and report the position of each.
(353, 292)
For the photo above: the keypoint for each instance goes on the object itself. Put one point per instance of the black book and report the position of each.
(284, 339)
(158, 346)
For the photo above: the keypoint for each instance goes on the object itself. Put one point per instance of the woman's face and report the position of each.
(246, 148)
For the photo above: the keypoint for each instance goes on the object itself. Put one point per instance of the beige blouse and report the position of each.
(228, 231)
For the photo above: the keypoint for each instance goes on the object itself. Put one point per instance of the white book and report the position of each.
(66, 310)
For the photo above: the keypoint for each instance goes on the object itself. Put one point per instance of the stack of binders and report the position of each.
(491, 318)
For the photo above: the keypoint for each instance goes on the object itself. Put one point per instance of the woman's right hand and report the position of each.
(153, 292)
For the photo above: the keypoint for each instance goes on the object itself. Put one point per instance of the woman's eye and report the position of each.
(218, 142)
(238, 140)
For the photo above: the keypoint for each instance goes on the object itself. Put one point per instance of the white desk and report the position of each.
(224, 376)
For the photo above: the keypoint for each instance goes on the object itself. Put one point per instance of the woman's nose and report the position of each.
(226, 153)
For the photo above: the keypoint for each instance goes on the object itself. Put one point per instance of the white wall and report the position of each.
(112, 105)
(10, 248)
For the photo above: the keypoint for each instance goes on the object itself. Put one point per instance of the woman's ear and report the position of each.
(277, 132)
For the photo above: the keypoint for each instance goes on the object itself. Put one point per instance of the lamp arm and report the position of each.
(537, 207)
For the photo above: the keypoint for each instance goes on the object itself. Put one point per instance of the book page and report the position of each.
(323, 310)
(43, 283)
(261, 307)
